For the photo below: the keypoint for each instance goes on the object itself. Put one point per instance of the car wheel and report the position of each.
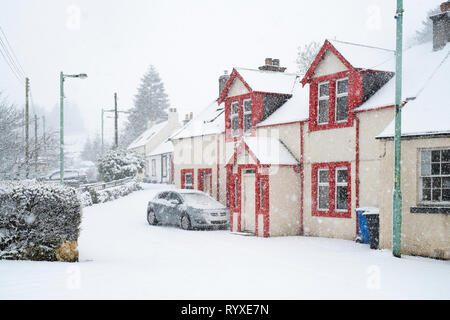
(151, 218)
(185, 222)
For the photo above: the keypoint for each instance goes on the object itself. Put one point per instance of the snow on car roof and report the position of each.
(419, 63)
(270, 151)
(295, 109)
(147, 135)
(429, 112)
(269, 81)
(365, 57)
(208, 121)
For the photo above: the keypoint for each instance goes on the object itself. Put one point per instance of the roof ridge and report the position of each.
(361, 45)
(267, 71)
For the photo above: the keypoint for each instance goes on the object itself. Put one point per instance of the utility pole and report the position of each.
(35, 143)
(116, 125)
(397, 196)
(27, 126)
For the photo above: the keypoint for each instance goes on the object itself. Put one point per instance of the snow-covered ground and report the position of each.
(122, 257)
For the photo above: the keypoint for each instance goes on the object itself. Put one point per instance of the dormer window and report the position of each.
(234, 117)
(324, 102)
(247, 115)
(341, 100)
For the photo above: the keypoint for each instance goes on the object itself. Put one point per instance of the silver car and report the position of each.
(189, 209)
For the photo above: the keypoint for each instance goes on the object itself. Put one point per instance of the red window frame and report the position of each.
(332, 212)
(183, 172)
(200, 173)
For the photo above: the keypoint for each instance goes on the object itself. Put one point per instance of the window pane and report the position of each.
(445, 168)
(446, 182)
(323, 176)
(248, 105)
(446, 155)
(426, 182)
(435, 156)
(342, 86)
(436, 195)
(323, 111)
(425, 161)
(436, 182)
(323, 197)
(261, 193)
(188, 178)
(247, 122)
(324, 90)
(341, 108)
(342, 198)
(445, 194)
(426, 194)
(235, 123)
(341, 176)
(435, 169)
(234, 108)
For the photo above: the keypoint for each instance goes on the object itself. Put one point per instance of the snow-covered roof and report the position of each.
(147, 135)
(365, 57)
(429, 112)
(269, 81)
(419, 63)
(295, 109)
(270, 151)
(165, 147)
(211, 120)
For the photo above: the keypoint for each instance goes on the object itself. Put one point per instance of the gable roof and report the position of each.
(147, 135)
(163, 148)
(419, 63)
(210, 120)
(262, 81)
(293, 110)
(266, 151)
(429, 112)
(353, 56)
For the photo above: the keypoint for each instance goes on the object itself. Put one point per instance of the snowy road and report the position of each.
(122, 257)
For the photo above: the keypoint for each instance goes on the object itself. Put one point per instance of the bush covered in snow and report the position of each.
(119, 164)
(39, 221)
(92, 196)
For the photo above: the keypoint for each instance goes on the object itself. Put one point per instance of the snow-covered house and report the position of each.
(425, 174)
(153, 137)
(161, 163)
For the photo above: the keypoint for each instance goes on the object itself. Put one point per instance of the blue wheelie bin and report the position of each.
(363, 228)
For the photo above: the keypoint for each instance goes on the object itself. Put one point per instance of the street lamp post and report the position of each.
(62, 76)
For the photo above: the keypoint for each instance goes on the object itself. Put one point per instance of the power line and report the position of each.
(10, 58)
(12, 69)
(12, 51)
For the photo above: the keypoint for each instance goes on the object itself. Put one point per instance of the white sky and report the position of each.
(191, 43)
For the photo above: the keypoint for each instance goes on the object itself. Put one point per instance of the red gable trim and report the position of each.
(326, 46)
(233, 75)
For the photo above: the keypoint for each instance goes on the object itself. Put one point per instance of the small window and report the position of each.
(247, 115)
(323, 104)
(341, 189)
(234, 117)
(188, 181)
(236, 192)
(341, 100)
(261, 193)
(435, 176)
(164, 166)
(323, 193)
(153, 167)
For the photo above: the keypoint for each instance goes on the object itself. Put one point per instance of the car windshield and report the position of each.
(199, 199)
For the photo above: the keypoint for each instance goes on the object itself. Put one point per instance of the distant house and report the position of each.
(161, 163)
(155, 135)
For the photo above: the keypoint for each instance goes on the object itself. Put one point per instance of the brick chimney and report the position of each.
(272, 65)
(223, 81)
(441, 27)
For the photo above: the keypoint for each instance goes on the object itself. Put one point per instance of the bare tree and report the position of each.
(306, 55)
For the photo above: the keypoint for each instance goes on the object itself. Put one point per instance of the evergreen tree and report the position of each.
(150, 103)
(92, 150)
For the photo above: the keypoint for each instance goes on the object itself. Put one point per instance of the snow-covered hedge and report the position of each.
(119, 164)
(39, 221)
(93, 196)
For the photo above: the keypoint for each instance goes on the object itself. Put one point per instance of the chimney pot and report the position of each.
(268, 62)
(445, 6)
(223, 79)
(276, 62)
(272, 65)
